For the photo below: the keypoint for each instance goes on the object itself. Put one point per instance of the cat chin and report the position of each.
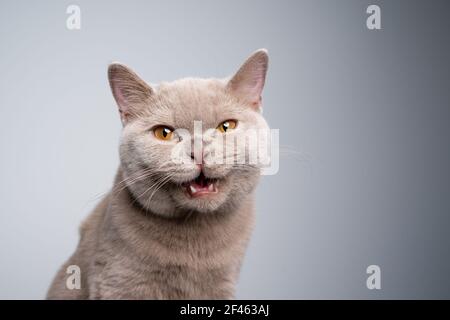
(211, 194)
(174, 199)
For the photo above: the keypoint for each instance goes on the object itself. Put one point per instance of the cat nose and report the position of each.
(198, 159)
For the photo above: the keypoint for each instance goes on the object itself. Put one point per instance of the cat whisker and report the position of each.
(144, 174)
(155, 185)
(161, 184)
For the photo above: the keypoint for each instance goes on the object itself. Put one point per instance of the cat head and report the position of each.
(180, 141)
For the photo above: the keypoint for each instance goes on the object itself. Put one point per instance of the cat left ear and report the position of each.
(248, 82)
(129, 90)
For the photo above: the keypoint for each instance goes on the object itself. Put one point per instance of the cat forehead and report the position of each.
(192, 89)
(182, 101)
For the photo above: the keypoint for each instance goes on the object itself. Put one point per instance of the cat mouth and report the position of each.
(201, 186)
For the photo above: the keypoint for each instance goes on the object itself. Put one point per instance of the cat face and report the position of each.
(179, 146)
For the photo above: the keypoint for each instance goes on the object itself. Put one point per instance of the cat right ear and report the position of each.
(131, 93)
(248, 82)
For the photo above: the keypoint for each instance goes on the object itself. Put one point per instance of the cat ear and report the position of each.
(248, 82)
(130, 91)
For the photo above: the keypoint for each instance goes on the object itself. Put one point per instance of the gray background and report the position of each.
(367, 113)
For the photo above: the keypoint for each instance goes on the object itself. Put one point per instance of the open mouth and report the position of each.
(201, 186)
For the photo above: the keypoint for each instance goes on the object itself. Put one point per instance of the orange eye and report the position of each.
(227, 125)
(163, 133)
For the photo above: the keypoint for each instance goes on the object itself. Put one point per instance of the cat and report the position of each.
(168, 229)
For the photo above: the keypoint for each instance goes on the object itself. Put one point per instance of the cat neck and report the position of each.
(196, 239)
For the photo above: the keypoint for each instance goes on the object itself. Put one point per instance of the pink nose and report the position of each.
(197, 157)
(197, 149)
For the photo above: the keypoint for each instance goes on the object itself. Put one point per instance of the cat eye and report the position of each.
(227, 125)
(163, 133)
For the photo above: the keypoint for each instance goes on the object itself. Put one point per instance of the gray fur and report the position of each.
(147, 239)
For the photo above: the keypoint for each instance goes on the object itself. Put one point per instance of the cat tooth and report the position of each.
(211, 187)
(192, 188)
